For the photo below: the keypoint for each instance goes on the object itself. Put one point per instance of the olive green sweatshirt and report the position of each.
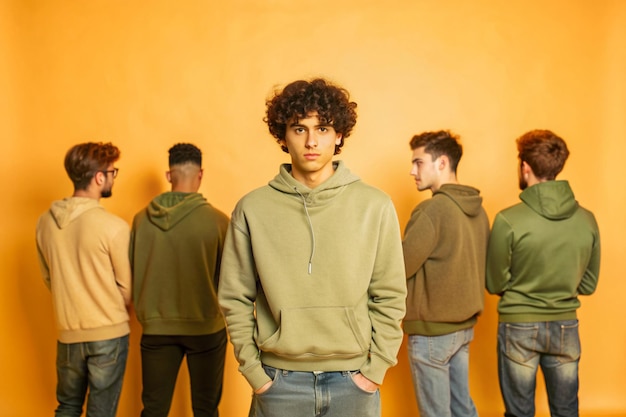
(313, 279)
(175, 249)
(543, 253)
(445, 246)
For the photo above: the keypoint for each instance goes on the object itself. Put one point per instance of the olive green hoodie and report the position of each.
(322, 270)
(175, 248)
(543, 253)
(445, 246)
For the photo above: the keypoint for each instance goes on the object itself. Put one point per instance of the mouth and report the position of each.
(311, 156)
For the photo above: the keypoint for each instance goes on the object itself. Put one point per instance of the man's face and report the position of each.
(425, 170)
(311, 145)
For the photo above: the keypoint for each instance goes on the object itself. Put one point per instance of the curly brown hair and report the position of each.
(84, 160)
(300, 98)
(544, 151)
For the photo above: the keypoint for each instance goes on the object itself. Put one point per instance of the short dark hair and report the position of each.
(544, 151)
(298, 99)
(441, 142)
(185, 152)
(84, 160)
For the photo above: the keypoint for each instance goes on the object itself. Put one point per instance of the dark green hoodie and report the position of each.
(175, 249)
(543, 253)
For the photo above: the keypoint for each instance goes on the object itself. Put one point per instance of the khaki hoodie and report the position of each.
(83, 255)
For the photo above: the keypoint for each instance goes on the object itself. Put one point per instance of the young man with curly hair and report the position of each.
(543, 253)
(445, 245)
(175, 249)
(83, 254)
(312, 282)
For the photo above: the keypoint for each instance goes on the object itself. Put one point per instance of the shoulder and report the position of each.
(368, 192)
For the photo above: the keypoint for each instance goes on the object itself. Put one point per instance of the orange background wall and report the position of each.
(148, 73)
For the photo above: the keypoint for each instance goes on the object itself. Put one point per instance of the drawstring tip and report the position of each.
(310, 266)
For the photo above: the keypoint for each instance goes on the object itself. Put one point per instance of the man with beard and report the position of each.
(543, 253)
(83, 254)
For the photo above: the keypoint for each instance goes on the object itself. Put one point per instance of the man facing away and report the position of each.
(175, 251)
(83, 254)
(543, 253)
(445, 244)
(312, 281)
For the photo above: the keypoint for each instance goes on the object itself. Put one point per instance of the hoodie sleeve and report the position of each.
(237, 293)
(419, 241)
(589, 280)
(387, 303)
(121, 263)
(498, 269)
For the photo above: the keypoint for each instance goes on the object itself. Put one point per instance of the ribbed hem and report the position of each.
(430, 328)
(536, 317)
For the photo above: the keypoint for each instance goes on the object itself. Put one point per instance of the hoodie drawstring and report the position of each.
(308, 217)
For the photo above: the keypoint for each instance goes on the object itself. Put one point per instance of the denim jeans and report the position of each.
(440, 371)
(94, 367)
(522, 348)
(161, 357)
(314, 394)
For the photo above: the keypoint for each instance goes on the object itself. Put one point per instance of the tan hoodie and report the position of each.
(83, 254)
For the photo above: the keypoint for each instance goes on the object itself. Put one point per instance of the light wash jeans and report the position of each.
(522, 348)
(440, 371)
(314, 394)
(97, 367)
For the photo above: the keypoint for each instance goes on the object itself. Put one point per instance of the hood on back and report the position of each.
(553, 200)
(168, 209)
(69, 209)
(467, 198)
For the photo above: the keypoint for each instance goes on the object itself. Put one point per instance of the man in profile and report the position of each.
(83, 254)
(176, 245)
(543, 253)
(445, 245)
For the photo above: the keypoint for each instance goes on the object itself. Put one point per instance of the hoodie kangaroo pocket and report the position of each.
(316, 332)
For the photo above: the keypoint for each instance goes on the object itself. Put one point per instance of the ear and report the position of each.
(168, 176)
(526, 169)
(443, 163)
(99, 178)
(200, 173)
(339, 138)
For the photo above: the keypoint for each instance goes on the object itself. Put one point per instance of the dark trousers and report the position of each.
(161, 357)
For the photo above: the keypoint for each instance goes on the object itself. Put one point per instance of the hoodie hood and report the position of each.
(467, 198)
(553, 200)
(286, 183)
(69, 209)
(168, 209)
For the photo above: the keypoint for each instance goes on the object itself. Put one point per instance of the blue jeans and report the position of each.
(314, 394)
(97, 367)
(522, 348)
(161, 357)
(440, 371)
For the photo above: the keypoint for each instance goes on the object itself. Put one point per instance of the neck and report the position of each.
(87, 194)
(313, 179)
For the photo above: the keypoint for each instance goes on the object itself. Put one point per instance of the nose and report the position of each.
(311, 140)
(413, 171)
